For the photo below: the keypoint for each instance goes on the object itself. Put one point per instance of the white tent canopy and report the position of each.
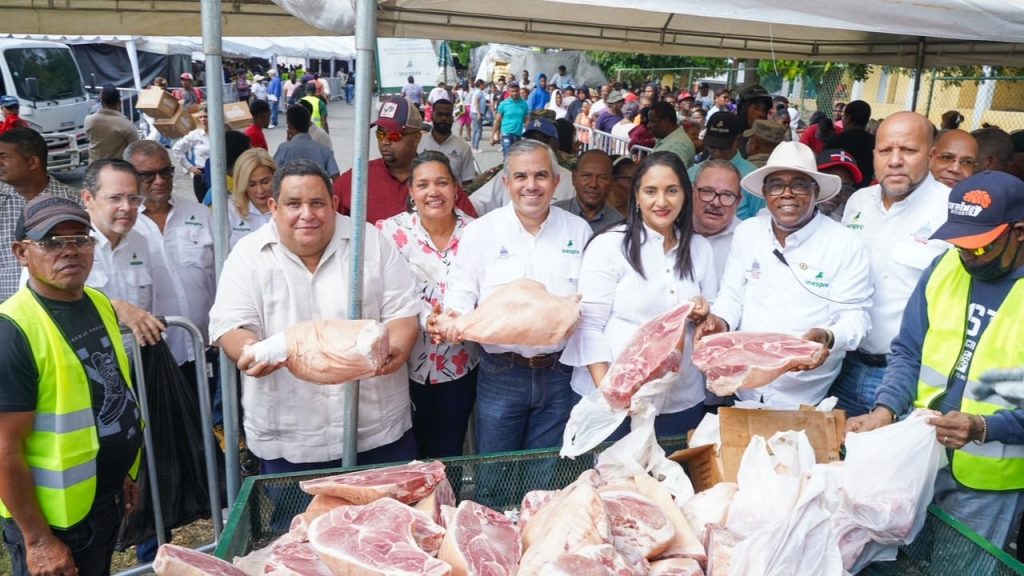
(339, 47)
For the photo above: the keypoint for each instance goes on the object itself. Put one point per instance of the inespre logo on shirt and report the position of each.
(570, 249)
(193, 221)
(855, 223)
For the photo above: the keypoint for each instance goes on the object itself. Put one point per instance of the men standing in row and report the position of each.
(70, 432)
(716, 195)
(109, 131)
(894, 220)
(23, 176)
(509, 119)
(592, 181)
(664, 125)
(954, 157)
(459, 154)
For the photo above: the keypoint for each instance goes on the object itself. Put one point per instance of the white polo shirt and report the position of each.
(494, 194)
(496, 250)
(761, 294)
(242, 226)
(898, 245)
(721, 245)
(458, 151)
(183, 268)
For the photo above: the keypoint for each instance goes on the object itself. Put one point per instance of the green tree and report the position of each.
(635, 66)
(822, 77)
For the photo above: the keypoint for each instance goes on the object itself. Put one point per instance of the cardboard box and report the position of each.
(157, 103)
(237, 115)
(177, 126)
(707, 465)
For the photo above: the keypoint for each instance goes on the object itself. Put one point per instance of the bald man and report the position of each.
(895, 220)
(954, 157)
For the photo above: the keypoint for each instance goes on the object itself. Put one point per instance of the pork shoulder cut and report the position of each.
(654, 351)
(327, 351)
(676, 567)
(573, 519)
(174, 560)
(520, 313)
(594, 560)
(407, 483)
(734, 360)
(480, 542)
(639, 529)
(441, 496)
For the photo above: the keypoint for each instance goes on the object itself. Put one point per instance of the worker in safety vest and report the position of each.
(70, 432)
(319, 113)
(963, 320)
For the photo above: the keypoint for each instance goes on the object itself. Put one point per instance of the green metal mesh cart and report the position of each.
(944, 547)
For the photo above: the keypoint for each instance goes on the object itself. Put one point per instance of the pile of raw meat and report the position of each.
(734, 360)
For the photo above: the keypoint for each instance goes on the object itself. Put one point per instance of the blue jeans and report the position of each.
(518, 408)
(440, 415)
(856, 385)
(507, 140)
(478, 129)
(349, 88)
(273, 113)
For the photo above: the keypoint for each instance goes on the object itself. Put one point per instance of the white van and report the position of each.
(45, 78)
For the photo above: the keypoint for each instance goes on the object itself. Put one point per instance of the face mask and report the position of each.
(993, 270)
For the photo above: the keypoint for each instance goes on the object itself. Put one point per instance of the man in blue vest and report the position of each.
(963, 320)
(70, 433)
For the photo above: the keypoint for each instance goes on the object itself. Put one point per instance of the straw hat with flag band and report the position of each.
(799, 158)
(981, 208)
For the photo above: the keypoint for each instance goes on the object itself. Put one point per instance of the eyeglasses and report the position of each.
(798, 187)
(59, 243)
(965, 163)
(165, 173)
(391, 136)
(118, 199)
(724, 198)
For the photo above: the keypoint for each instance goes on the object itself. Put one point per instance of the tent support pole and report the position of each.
(133, 59)
(366, 43)
(213, 50)
(919, 65)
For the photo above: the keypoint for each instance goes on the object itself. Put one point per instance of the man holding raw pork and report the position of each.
(292, 272)
(795, 271)
(963, 320)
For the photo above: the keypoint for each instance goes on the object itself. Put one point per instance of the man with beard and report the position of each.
(441, 139)
(716, 195)
(961, 321)
(399, 129)
(592, 181)
(894, 219)
(795, 271)
(954, 157)
(842, 164)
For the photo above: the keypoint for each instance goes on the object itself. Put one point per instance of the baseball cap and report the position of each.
(767, 131)
(685, 96)
(614, 96)
(185, 76)
(513, 84)
(836, 157)
(397, 115)
(722, 129)
(754, 92)
(981, 207)
(9, 102)
(45, 211)
(542, 125)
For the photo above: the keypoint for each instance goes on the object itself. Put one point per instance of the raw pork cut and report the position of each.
(574, 519)
(676, 567)
(710, 506)
(295, 558)
(532, 503)
(639, 528)
(407, 483)
(734, 360)
(520, 313)
(480, 542)
(685, 543)
(327, 351)
(654, 350)
(443, 495)
(596, 560)
(383, 537)
(720, 543)
(174, 560)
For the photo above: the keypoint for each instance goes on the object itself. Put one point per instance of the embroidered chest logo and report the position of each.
(570, 249)
(855, 223)
(754, 272)
(135, 261)
(503, 253)
(921, 235)
(816, 279)
(193, 221)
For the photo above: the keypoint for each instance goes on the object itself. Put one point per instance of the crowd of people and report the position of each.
(898, 250)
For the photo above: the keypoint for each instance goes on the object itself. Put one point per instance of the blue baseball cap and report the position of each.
(542, 125)
(981, 208)
(9, 102)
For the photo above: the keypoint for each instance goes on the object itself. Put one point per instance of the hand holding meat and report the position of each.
(734, 360)
(711, 325)
(520, 313)
(322, 351)
(700, 312)
(821, 336)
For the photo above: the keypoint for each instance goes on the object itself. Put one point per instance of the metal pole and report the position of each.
(366, 44)
(212, 48)
(147, 439)
(919, 65)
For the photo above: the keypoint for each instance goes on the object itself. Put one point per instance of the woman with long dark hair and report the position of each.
(637, 270)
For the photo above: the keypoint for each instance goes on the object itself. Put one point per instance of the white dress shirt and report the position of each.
(196, 143)
(617, 301)
(458, 151)
(183, 268)
(266, 288)
(898, 248)
(721, 244)
(244, 225)
(496, 250)
(761, 294)
(494, 194)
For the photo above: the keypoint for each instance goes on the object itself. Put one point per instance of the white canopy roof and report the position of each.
(340, 47)
(871, 31)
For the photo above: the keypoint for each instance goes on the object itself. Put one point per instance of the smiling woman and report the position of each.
(250, 198)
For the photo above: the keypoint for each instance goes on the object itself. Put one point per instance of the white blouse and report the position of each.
(617, 301)
(242, 226)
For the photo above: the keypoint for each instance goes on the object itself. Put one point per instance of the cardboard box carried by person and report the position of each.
(157, 103)
(182, 123)
(237, 115)
(709, 465)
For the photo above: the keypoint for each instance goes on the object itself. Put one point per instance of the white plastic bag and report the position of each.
(769, 484)
(889, 478)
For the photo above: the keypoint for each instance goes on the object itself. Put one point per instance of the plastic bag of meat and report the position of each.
(327, 351)
(709, 507)
(734, 360)
(889, 477)
(769, 481)
(520, 313)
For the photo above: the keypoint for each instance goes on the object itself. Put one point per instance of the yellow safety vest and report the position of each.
(315, 102)
(993, 465)
(61, 450)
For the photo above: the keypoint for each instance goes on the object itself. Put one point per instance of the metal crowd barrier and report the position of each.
(206, 421)
(637, 152)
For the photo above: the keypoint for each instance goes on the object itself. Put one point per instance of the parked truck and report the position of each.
(45, 78)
